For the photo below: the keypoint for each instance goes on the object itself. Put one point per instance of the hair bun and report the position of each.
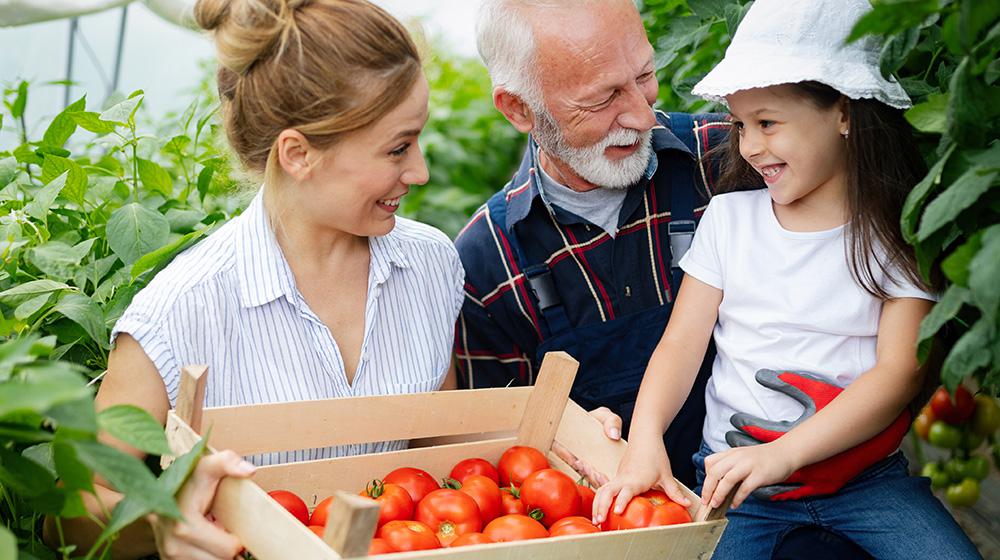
(211, 13)
(247, 30)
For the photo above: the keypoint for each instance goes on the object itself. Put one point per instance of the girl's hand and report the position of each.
(639, 471)
(747, 468)
(195, 536)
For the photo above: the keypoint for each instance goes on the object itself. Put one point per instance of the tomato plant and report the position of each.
(552, 492)
(449, 513)
(514, 527)
(649, 509)
(407, 535)
(417, 482)
(574, 525)
(518, 462)
(292, 503)
(478, 466)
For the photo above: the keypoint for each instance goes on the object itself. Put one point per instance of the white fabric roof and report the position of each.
(23, 12)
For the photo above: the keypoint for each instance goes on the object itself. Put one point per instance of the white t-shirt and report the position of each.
(789, 303)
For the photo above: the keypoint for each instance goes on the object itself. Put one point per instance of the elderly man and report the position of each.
(579, 251)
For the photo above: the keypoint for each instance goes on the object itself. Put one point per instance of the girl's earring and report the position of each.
(845, 134)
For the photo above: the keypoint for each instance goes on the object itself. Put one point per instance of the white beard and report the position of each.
(590, 163)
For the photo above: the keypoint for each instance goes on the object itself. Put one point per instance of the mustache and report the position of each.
(621, 137)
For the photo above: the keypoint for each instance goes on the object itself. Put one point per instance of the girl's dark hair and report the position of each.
(883, 165)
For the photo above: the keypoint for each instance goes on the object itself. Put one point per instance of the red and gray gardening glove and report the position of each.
(829, 475)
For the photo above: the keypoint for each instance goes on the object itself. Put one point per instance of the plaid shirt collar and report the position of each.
(525, 186)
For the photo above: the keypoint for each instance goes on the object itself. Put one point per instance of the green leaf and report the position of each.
(956, 266)
(44, 197)
(136, 427)
(183, 221)
(159, 258)
(73, 474)
(971, 107)
(8, 170)
(930, 116)
(134, 231)
(155, 178)
(31, 481)
(128, 475)
(22, 292)
(969, 354)
(915, 200)
(41, 454)
(8, 543)
(78, 417)
(40, 395)
(205, 181)
(960, 195)
(83, 311)
(17, 110)
(63, 126)
(943, 311)
(23, 350)
(76, 182)
(984, 274)
(890, 17)
(123, 112)
(58, 259)
(92, 122)
(708, 8)
(31, 306)
(896, 50)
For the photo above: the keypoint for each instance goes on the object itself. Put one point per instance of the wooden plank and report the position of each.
(547, 402)
(191, 395)
(265, 528)
(683, 542)
(315, 480)
(321, 423)
(351, 525)
(583, 435)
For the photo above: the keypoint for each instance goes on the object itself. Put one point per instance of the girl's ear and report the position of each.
(293, 154)
(844, 108)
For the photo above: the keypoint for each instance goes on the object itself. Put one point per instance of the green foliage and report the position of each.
(945, 53)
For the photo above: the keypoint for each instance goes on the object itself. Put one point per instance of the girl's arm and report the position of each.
(666, 384)
(864, 409)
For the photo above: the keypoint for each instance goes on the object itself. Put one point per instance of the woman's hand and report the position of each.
(639, 470)
(744, 469)
(195, 536)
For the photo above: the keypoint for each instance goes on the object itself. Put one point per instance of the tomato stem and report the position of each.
(537, 514)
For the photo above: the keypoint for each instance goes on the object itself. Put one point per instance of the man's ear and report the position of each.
(293, 154)
(515, 109)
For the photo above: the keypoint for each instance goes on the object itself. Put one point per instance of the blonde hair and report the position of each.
(321, 67)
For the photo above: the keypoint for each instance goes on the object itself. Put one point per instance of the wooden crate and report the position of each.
(483, 422)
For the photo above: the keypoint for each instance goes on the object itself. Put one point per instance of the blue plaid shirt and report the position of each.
(599, 278)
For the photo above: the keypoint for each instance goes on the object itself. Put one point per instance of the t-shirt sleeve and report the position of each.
(897, 285)
(148, 333)
(703, 260)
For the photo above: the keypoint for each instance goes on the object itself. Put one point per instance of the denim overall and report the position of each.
(613, 355)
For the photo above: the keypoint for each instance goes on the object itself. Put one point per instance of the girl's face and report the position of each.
(796, 147)
(356, 185)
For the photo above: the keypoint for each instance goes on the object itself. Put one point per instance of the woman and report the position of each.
(317, 290)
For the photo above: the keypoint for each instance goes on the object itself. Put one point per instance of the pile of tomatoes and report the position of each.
(961, 425)
(519, 498)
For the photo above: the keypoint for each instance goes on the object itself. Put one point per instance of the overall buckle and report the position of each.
(681, 234)
(540, 280)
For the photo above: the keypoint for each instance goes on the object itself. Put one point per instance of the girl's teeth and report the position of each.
(390, 202)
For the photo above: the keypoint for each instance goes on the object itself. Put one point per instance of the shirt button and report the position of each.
(628, 291)
(587, 226)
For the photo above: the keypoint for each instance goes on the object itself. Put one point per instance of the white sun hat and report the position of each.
(791, 41)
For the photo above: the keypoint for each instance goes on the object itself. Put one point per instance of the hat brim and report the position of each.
(854, 80)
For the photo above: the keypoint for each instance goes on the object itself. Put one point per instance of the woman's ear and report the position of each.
(844, 106)
(293, 154)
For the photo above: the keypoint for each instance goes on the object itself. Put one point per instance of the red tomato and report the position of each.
(484, 491)
(953, 412)
(379, 546)
(586, 499)
(292, 503)
(474, 466)
(393, 500)
(417, 482)
(922, 423)
(404, 536)
(470, 538)
(510, 501)
(514, 528)
(552, 492)
(650, 509)
(518, 462)
(574, 525)
(321, 512)
(318, 529)
(449, 513)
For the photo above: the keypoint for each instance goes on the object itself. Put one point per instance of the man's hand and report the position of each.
(829, 475)
(612, 428)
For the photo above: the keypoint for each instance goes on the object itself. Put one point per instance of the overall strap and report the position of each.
(554, 320)
(680, 229)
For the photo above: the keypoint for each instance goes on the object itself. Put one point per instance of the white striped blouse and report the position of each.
(230, 302)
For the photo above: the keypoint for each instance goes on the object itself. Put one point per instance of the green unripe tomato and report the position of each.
(964, 493)
(955, 469)
(944, 435)
(977, 467)
(971, 440)
(935, 472)
(986, 418)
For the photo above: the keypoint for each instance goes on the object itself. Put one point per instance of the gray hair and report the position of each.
(506, 44)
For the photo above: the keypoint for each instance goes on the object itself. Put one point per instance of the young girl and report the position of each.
(807, 271)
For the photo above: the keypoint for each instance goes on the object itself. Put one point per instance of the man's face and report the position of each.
(598, 83)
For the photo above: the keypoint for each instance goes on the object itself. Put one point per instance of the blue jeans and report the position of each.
(884, 510)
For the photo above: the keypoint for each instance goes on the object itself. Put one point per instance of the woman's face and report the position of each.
(356, 185)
